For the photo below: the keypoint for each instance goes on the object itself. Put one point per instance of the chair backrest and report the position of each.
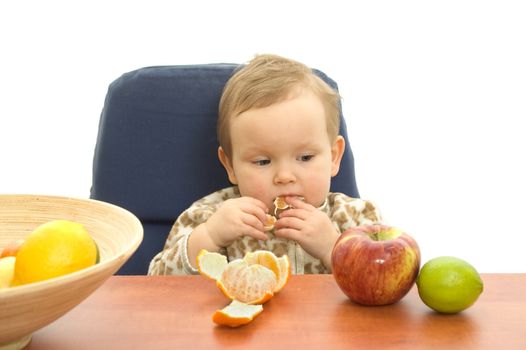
(156, 150)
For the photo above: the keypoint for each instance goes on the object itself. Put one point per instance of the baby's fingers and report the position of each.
(252, 232)
(298, 202)
(253, 227)
(288, 233)
(256, 208)
(296, 213)
(290, 222)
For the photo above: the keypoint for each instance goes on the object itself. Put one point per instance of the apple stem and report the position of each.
(385, 235)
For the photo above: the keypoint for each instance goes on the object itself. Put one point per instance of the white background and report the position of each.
(434, 97)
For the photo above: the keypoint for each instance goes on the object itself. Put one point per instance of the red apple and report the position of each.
(375, 264)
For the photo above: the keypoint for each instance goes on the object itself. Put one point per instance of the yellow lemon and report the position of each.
(54, 249)
(448, 284)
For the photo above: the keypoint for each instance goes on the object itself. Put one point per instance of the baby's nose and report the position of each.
(284, 175)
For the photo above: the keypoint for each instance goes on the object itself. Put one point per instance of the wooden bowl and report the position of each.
(27, 308)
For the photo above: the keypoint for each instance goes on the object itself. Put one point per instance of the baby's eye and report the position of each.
(262, 162)
(305, 157)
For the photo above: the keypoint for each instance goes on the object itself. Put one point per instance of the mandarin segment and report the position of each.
(279, 205)
(264, 258)
(270, 222)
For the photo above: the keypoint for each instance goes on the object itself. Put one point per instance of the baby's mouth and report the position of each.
(281, 205)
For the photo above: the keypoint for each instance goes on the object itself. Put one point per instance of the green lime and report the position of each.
(448, 284)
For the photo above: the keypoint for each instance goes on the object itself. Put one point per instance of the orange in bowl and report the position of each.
(26, 308)
(53, 249)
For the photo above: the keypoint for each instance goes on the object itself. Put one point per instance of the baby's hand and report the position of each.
(236, 218)
(308, 226)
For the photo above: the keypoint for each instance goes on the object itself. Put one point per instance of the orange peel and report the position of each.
(236, 314)
(210, 264)
(285, 271)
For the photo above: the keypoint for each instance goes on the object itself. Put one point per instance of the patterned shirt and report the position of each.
(343, 211)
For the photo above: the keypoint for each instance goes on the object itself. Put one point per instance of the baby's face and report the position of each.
(284, 149)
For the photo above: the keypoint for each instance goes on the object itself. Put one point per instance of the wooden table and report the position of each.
(140, 312)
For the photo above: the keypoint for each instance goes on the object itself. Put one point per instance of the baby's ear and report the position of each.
(337, 150)
(227, 163)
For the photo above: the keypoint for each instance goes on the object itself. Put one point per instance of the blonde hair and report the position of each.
(269, 79)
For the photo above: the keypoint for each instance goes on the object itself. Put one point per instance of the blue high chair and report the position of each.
(156, 150)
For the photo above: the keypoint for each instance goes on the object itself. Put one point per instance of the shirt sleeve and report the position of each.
(348, 212)
(173, 259)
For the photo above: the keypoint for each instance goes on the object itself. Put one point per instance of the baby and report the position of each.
(278, 138)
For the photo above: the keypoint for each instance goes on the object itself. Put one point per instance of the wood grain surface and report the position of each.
(174, 312)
